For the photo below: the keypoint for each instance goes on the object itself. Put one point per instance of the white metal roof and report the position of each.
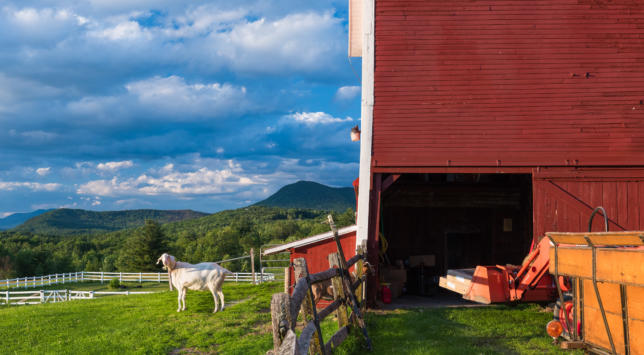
(309, 240)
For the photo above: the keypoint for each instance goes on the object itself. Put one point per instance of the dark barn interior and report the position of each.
(435, 222)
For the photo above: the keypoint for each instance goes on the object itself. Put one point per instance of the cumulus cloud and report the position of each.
(312, 118)
(173, 94)
(347, 93)
(34, 186)
(200, 181)
(124, 31)
(295, 43)
(171, 98)
(114, 165)
(104, 81)
(43, 171)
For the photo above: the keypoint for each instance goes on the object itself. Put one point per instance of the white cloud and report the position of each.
(294, 43)
(115, 165)
(34, 186)
(174, 94)
(200, 181)
(43, 171)
(347, 93)
(170, 97)
(316, 118)
(124, 31)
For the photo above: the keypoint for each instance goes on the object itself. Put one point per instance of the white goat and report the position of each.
(203, 276)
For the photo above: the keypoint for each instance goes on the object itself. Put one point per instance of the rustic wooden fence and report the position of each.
(55, 296)
(83, 276)
(348, 296)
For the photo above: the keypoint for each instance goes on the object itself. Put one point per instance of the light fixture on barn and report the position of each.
(355, 134)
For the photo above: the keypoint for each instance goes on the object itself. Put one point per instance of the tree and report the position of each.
(142, 249)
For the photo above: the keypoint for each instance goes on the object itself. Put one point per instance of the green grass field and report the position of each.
(149, 324)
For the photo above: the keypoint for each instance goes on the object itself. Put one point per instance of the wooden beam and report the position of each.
(625, 266)
(390, 180)
(617, 239)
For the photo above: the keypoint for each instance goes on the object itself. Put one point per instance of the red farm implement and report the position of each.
(528, 282)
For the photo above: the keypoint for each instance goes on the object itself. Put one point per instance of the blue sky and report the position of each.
(208, 105)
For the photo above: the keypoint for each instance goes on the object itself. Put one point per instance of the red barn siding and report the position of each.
(316, 255)
(504, 83)
(563, 200)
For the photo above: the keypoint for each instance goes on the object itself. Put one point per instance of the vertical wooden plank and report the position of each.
(609, 197)
(359, 271)
(537, 207)
(252, 263)
(338, 291)
(622, 204)
(573, 223)
(633, 206)
(596, 198)
(280, 318)
(287, 279)
(301, 271)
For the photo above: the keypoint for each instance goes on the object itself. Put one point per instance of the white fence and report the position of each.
(54, 296)
(82, 276)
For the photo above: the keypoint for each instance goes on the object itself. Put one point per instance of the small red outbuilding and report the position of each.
(315, 249)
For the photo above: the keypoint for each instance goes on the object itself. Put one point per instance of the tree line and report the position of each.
(215, 237)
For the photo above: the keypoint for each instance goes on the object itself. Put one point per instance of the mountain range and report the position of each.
(17, 219)
(75, 221)
(64, 221)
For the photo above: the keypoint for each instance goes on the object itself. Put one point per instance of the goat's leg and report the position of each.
(183, 298)
(179, 299)
(214, 297)
(221, 295)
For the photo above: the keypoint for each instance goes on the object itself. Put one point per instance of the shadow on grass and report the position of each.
(491, 330)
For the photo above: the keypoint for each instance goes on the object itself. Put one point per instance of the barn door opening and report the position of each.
(434, 222)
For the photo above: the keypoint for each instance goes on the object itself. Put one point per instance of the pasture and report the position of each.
(149, 324)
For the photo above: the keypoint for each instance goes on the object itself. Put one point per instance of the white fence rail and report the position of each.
(55, 296)
(83, 276)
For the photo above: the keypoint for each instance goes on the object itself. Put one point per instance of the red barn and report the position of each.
(315, 249)
(487, 123)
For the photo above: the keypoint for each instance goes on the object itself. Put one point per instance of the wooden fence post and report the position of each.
(287, 279)
(252, 263)
(281, 319)
(338, 290)
(308, 306)
(102, 276)
(359, 272)
(120, 277)
(261, 269)
(42, 296)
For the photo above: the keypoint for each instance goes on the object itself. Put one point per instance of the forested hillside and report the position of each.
(17, 219)
(210, 238)
(309, 194)
(65, 221)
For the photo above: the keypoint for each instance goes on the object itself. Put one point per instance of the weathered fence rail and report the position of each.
(55, 296)
(348, 296)
(83, 276)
